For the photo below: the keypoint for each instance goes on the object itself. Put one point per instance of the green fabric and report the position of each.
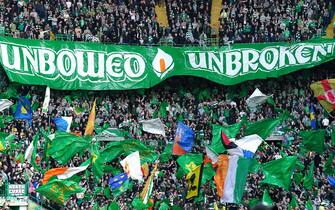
(167, 153)
(297, 178)
(278, 172)
(207, 173)
(309, 205)
(242, 170)
(266, 200)
(143, 67)
(188, 161)
(59, 191)
(265, 127)
(328, 169)
(65, 145)
(333, 136)
(11, 92)
(313, 140)
(308, 180)
(164, 206)
(34, 153)
(138, 204)
(113, 206)
(126, 147)
(230, 130)
(127, 185)
(255, 166)
(293, 203)
(162, 109)
(97, 162)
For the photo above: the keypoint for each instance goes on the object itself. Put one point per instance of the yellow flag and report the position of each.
(193, 182)
(90, 123)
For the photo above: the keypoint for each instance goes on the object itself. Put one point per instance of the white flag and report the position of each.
(249, 143)
(132, 166)
(5, 104)
(154, 126)
(211, 154)
(29, 152)
(256, 98)
(46, 101)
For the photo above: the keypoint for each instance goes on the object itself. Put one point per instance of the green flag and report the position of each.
(113, 206)
(5, 120)
(138, 204)
(278, 172)
(266, 200)
(328, 170)
(308, 180)
(230, 130)
(65, 145)
(164, 206)
(11, 92)
(127, 185)
(293, 203)
(297, 178)
(189, 161)
(162, 109)
(59, 191)
(115, 149)
(34, 153)
(333, 135)
(207, 173)
(313, 140)
(111, 151)
(167, 153)
(309, 205)
(265, 127)
(97, 162)
(255, 166)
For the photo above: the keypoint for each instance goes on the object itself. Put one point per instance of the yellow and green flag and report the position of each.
(59, 191)
(193, 182)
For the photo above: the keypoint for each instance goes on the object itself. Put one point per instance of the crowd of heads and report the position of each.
(274, 20)
(135, 21)
(199, 104)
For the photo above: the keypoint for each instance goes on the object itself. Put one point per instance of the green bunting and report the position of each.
(313, 140)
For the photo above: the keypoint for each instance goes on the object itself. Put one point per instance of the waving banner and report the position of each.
(90, 66)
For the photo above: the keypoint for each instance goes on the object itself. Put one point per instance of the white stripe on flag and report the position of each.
(46, 101)
(229, 184)
(5, 104)
(250, 142)
(72, 171)
(29, 152)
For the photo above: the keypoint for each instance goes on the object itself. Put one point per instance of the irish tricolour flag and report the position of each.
(231, 176)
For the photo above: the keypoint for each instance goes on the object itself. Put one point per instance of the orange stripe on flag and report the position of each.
(221, 173)
(53, 172)
(90, 123)
(177, 150)
(162, 64)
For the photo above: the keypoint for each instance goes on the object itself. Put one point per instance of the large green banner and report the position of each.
(90, 66)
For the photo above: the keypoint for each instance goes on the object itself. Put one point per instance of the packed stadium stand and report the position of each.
(48, 163)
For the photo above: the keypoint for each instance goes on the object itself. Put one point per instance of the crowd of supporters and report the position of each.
(199, 104)
(274, 20)
(135, 21)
